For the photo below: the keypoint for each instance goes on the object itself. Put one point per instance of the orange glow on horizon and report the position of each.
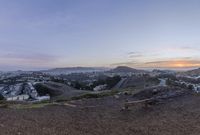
(172, 64)
(180, 64)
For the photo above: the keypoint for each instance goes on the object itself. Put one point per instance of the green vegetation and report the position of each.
(89, 95)
(80, 85)
(28, 106)
(109, 81)
(24, 105)
(43, 90)
(171, 82)
(1, 97)
(96, 95)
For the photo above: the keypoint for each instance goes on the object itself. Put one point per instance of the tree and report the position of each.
(190, 87)
(1, 97)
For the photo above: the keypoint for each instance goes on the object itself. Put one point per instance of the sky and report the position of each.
(42, 34)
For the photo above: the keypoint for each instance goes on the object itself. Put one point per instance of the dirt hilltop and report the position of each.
(103, 116)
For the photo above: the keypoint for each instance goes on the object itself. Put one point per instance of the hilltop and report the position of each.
(68, 70)
(194, 72)
(99, 116)
(125, 69)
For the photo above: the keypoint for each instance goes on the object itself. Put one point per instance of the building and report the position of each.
(18, 98)
(43, 98)
(100, 87)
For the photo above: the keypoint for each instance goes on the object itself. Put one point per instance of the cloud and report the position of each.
(124, 63)
(188, 48)
(135, 55)
(170, 63)
(131, 53)
(32, 59)
(174, 64)
(182, 49)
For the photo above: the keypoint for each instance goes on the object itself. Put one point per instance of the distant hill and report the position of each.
(163, 71)
(194, 72)
(69, 70)
(125, 69)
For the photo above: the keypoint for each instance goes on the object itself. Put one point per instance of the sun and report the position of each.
(180, 65)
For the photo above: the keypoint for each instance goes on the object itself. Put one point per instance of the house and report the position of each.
(100, 87)
(18, 98)
(43, 98)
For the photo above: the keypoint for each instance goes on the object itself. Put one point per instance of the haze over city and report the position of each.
(99, 33)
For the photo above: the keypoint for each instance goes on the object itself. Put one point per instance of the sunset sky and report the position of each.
(41, 34)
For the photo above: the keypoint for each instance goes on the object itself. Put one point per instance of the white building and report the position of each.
(43, 98)
(100, 87)
(18, 98)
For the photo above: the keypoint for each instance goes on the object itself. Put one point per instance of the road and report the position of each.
(162, 82)
(120, 83)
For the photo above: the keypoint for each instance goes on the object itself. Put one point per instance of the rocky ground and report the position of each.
(179, 115)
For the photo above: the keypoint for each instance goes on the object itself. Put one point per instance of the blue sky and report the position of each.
(40, 34)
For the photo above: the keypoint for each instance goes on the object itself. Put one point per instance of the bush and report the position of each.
(1, 97)
(110, 81)
(43, 90)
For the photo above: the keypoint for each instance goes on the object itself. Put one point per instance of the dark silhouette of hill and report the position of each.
(125, 69)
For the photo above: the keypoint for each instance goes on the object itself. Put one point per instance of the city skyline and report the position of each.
(144, 34)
